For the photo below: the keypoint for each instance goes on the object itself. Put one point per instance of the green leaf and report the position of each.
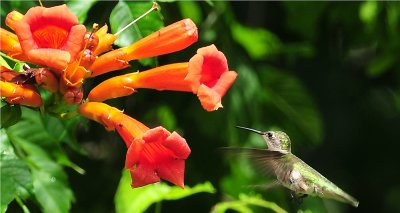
(191, 10)
(9, 114)
(16, 179)
(380, 65)
(50, 184)
(4, 62)
(32, 136)
(47, 132)
(125, 12)
(244, 203)
(19, 67)
(128, 199)
(164, 114)
(258, 42)
(80, 8)
(368, 11)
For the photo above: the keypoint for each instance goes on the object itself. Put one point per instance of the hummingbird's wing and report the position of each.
(267, 161)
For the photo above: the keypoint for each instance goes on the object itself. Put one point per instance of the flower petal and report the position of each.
(12, 18)
(143, 175)
(162, 154)
(105, 40)
(210, 77)
(50, 36)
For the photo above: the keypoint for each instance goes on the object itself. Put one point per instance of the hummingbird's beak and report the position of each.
(252, 130)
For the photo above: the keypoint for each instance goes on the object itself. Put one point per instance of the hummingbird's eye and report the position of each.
(270, 135)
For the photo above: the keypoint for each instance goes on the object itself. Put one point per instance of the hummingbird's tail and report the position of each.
(344, 197)
(351, 200)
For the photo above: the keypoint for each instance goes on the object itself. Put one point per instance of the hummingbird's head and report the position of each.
(276, 140)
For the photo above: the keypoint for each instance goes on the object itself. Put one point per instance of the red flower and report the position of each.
(50, 36)
(210, 77)
(157, 154)
(152, 153)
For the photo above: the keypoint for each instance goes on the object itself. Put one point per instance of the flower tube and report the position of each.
(172, 38)
(9, 44)
(20, 94)
(168, 77)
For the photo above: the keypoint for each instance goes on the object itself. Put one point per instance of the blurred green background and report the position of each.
(326, 73)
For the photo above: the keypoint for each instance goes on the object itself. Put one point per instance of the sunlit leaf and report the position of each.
(80, 8)
(191, 10)
(258, 42)
(4, 63)
(368, 11)
(138, 200)
(244, 203)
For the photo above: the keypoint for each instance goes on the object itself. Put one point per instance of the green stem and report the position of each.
(158, 207)
(19, 201)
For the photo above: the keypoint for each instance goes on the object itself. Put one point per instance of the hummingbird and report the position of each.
(291, 171)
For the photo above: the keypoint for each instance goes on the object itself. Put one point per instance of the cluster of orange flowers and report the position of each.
(67, 54)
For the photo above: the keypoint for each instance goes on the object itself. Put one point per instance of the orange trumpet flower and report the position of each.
(20, 94)
(210, 77)
(172, 38)
(9, 44)
(50, 36)
(157, 154)
(206, 74)
(152, 153)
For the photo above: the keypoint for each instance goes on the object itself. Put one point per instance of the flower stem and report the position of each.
(158, 207)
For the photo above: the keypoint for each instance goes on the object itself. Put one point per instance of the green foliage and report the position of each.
(244, 204)
(4, 62)
(259, 43)
(191, 10)
(16, 178)
(139, 199)
(37, 140)
(10, 114)
(81, 8)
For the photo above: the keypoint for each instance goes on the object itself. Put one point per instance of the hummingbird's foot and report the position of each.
(297, 198)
